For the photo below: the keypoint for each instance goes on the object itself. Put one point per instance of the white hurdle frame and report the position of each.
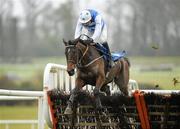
(50, 82)
(25, 95)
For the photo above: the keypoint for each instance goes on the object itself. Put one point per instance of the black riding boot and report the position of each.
(105, 44)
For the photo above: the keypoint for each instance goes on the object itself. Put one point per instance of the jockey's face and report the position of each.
(87, 23)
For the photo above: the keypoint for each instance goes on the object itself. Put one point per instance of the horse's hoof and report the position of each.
(68, 111)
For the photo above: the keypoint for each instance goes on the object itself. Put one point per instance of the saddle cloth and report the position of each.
(114, 56)
(117, 55)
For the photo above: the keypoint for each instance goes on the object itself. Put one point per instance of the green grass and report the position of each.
(18, 113)
(164, 79)
(44, 61)
(155, 60)
(161, 78)
(27, 70)
(21, 70)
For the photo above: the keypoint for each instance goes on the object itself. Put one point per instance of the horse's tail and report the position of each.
(127, 60)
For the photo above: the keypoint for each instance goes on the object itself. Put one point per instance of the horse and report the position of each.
(91, 69)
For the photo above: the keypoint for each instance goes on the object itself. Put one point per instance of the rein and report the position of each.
(79, 65)
(87, 48)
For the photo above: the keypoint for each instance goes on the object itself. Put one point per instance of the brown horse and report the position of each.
(91, 70)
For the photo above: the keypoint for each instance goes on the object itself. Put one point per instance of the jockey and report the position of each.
(91, 23)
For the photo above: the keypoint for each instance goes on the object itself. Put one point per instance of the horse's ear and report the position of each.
(64, 41)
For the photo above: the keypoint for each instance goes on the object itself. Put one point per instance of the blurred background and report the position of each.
(31, 33)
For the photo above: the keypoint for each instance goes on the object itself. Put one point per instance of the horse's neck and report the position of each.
(94, 52)
(81, 47)
(91, 53)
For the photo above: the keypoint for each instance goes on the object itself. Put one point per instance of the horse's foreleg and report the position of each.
(99, 83)
(74, 93)
(71, 100)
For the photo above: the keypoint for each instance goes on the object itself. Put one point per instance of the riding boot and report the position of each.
(110, 63)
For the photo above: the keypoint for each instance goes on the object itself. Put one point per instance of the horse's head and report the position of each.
(71, 56)
(72, 48)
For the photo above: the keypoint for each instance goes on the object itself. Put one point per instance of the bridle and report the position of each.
(83, 54)
(70, 60)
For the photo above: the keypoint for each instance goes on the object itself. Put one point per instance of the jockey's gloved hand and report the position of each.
(88, 41)
(91, 39)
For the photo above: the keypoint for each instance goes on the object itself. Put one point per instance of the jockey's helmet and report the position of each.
(85, 16)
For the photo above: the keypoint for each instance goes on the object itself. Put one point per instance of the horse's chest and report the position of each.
(87, 74)
(88, 77)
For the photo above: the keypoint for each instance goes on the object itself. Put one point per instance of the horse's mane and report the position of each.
(75, 41)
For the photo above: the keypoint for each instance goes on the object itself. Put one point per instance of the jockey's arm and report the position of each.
(78, 30)
(98, 28)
